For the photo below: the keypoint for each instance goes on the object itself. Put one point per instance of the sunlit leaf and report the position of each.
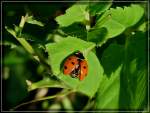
(108, 92)
(76, 13)
(118, 19)
(59, 51)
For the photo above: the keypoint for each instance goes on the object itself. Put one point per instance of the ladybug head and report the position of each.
(79, 55)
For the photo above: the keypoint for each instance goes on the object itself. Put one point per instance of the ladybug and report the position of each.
(76, 66)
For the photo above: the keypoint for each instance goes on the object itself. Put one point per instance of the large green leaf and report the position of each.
(60, 50)
(125, 79)
(76, 13)
(91, 83)
(108, 93)
(58, 53)
(134, 75)
(117, 20)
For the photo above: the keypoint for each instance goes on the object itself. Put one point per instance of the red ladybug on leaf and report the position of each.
(76, 66)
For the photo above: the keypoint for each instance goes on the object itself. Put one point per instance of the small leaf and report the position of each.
(117, 20)
(76, 13)
(18, 30)
(31, 20)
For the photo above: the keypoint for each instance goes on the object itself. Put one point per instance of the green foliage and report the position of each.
(93, 77)
(97, 35)
(134, 72)
(110, 36)
(97, 8)
(76, 13)
(31, 20)
(118, 19)
(108, 92)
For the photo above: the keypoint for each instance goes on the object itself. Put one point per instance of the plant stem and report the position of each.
(64, 93)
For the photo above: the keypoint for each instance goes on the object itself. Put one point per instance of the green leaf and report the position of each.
(46, 82)
(75, 30)
(98, 7)
(134, 74)
(125, 79)
(117, 20)
(58, 53)
(112, 58)
(76, 13)
(18, 30)
(97, 35)
(91, 82)
(31, 20)
(108, 92)
(60, 50)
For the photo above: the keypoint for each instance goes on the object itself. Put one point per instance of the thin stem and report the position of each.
(64, 93)
(22, 41)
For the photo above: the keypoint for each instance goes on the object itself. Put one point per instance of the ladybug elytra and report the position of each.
(76, 66)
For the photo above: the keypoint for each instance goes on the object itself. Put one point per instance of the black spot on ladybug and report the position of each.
(84, 67)
(69, 58)
(65, 67)
(72, 63)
